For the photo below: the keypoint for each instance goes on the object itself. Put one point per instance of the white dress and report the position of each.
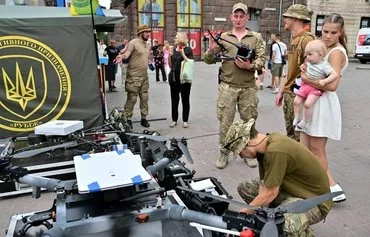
(326, 120)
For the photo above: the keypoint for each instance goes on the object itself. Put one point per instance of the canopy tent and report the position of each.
(54, 16)
(48, 67)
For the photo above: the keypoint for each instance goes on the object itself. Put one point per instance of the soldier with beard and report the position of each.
(137, 79)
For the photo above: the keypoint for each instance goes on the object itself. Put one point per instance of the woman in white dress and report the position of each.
(326, 121)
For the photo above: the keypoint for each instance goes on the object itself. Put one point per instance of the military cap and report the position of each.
(143, 28)
(298, 11)
(240, 6)
(238, 136)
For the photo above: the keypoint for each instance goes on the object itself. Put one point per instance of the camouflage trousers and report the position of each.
(289, 116)
(136, 86)
(124, 72)
(296, 225)
(229, 100)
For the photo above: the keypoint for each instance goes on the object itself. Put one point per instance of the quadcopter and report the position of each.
(143, 206)
(245, 52)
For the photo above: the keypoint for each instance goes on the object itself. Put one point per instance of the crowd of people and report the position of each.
(292, 166)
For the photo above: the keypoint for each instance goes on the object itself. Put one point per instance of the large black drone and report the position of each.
(142, 208)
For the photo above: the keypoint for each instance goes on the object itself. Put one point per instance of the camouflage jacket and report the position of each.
(232, 74)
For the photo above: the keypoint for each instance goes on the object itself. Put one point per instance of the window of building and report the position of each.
(319, 23)
(189, 13)
(151, 13)
(189, 19)
(365, 22)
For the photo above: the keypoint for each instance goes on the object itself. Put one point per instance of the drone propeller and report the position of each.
(180, 143)
(230, 201)
(269, 229)
(305, 205)
(216, 39)
(29, 153)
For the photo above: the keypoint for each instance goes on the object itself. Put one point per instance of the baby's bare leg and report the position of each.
(308, 104)
(298, 100)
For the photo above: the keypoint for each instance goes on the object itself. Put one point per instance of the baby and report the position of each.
(317, 69)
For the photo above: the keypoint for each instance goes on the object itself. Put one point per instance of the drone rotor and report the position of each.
(305, 205)
(30, 153)
(269, 229)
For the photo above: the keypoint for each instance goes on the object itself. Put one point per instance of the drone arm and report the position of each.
(180, 213)
(42, 182)
(158, 166)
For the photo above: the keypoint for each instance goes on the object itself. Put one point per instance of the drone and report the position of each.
(245, 52)
(145, 205)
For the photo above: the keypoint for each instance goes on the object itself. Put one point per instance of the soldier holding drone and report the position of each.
(237, 84)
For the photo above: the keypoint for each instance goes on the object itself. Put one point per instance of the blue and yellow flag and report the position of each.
(82, 7)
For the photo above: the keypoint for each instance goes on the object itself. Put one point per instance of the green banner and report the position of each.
(47, 72)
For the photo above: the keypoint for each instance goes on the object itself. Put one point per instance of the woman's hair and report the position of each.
(166, 45)
(181, 38)
(338, 19)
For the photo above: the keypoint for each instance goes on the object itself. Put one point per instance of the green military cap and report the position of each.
(240, 6)
(143, 28)
(298, 11)
(238, 136)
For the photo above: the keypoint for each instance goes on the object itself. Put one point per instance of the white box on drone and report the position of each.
(59, 127)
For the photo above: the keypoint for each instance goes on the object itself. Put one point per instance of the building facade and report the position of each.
(166, 17)
(356, 15)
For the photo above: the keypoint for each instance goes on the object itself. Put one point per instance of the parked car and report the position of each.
(362, 47)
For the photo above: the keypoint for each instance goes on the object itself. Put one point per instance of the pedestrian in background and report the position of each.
(111, 69)
(237, 88)
(166, 55)
(180, 53)
(158, 59)
(278, 58)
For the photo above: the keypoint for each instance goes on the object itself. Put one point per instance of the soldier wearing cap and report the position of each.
(288, 172)
(294, 21)
(137, 80)
(237, 87)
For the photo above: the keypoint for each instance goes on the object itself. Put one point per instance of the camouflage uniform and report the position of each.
(137, 86)
(295, 59)
(237, 90)
(137, 80)
(296, 225)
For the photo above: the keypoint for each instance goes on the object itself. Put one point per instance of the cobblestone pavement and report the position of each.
(348, 158)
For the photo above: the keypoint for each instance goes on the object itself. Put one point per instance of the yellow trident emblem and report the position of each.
(20, 92)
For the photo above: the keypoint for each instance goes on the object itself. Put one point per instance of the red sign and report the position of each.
(157, 34)
(195, 41)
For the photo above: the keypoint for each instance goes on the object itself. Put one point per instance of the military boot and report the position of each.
(222, 161)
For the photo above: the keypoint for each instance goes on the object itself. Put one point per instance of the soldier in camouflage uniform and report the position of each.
(288, 172)
(237, 89)
(137, 79)
(294, 20)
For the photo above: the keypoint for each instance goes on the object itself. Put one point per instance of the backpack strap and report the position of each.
(300, 46)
